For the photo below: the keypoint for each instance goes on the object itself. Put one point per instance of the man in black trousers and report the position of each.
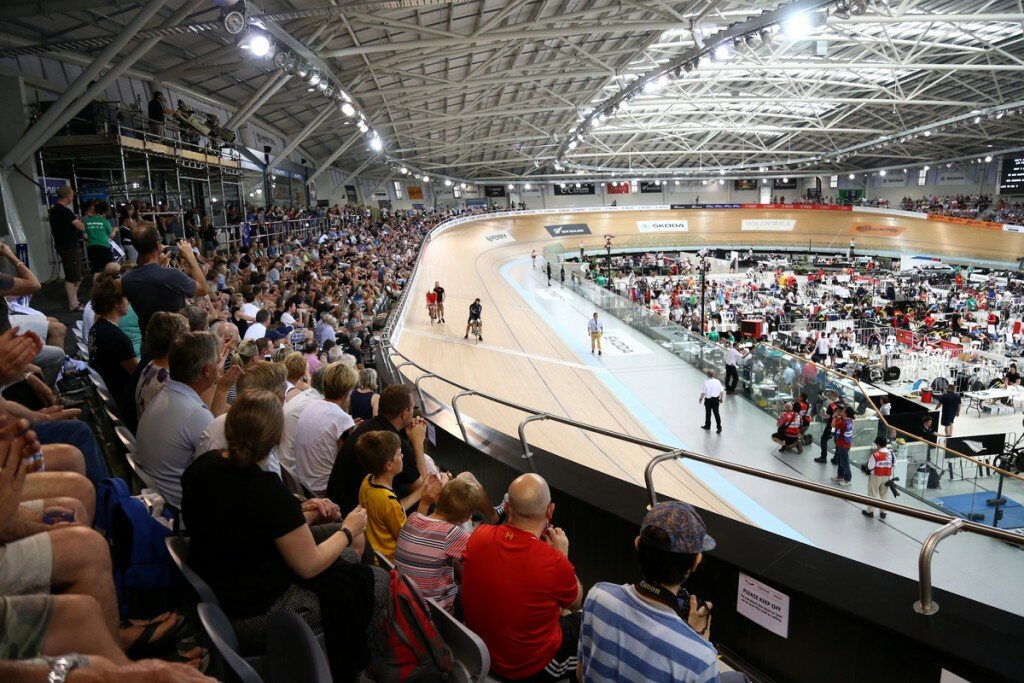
(712, 395)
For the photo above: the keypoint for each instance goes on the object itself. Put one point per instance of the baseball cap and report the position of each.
(685, 528)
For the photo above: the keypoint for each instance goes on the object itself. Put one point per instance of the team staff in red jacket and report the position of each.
(788, 434)
(842, 423)
(879, 468)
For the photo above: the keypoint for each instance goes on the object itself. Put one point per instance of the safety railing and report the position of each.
(948, 524)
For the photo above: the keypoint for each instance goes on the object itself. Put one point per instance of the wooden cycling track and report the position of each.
(524, 361)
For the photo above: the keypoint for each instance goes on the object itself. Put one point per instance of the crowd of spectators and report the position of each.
(959, 206)
(250, 388)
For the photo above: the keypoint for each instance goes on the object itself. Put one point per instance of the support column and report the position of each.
(334, 157)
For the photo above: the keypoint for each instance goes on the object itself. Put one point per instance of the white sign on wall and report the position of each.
(768, 224)
(662, 226)
(892, 180)
(954, 178)
(763, 605)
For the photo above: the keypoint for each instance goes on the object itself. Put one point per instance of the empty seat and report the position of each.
(472, 660)
(293, 651)
(222, 635)
(178, 547)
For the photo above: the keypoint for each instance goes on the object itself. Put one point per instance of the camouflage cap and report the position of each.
(683, 525)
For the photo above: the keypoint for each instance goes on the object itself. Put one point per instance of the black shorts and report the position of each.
(71, 259)
(471, 320)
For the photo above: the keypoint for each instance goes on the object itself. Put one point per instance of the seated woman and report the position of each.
(111, 353)
(277, 554)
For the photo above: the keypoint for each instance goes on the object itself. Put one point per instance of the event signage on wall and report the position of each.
(662, 226)
(494, 190)
(568, 229)
(768, 224)
(763, 605)
(953, 178)
(648, 187)
(48, 193)
(706, 206)
(892, 180)
(415, 191)
(784, 184)
(571, 189)
(745, 184)
(617, 188)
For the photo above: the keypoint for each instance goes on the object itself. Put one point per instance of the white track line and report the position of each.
(498, 349)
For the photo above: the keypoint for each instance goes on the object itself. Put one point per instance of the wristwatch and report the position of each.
(60, 667)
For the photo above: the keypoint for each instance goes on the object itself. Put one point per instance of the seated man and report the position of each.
(518, 609)
(670, 547)
(381, 455)
(170, 430)
(322, 427)
(430, 548)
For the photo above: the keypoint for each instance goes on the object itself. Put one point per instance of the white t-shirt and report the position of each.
(821, 346)
(250, 309)
(292, 410)
(256, 331)
(732, 356)
(319, 428)
(712, 388)
(288, 319)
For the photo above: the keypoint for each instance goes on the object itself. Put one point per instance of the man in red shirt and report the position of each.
(516, 580)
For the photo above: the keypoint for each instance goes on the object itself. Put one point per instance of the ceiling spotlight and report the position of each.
(281, 59)
(348, 110)
(988, 159)
(677, 182)
(426, 179)
(572, 144)
(927, 133)
(722, 52)
(851, 176)
(375, 143)
(328, 90)
(858, 7)
(302, 70)
(750, 39)
(259, 44)
(323, 85)
(511, 186)
(688, 67)
(362, 126)
(785, 180)
(797, 26)
(721, 181)
(842, 12)
(721, 171)
(977, 119)
(447, 183)
(463, 186)
(703, 182)
(314, 77)
(403, 170)
(882, 172)
(927, 168)
(561, 185)
(527, 186)
(234, 20)
(578, 185)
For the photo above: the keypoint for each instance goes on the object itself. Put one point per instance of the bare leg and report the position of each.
(76, 625)
(56, 332)
(55, 484)
(61, 457)
(71, 289)
(81, 566)
(75, 506)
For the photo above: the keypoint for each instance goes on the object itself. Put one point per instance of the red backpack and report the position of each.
(407, 646)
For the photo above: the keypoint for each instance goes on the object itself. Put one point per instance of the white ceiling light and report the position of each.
(677, 182)
(988, 159)
(721, 181)
(572, 144)
(527, 186)
(426, 179)
(851, 176)
(722, 52)
(511, 186)
(375, 143)
(463, 186)
(447, 183)
(348, 110)
(259, 44)
(785, 180)
(578, 185)
(882, 172)
(797, 26)
(403, 170)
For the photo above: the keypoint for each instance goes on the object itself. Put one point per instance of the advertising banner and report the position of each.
(648, 187)
(768, 224)
(787, 184)
(568, 229)
(708, 206)
(952, 177)
(877, 230)
(571, 189)
(617, 188)
(966, 221)
(662, 226)
(498, 237)
(48, 193)
(745, 185)
(415, 191)
(494, 190)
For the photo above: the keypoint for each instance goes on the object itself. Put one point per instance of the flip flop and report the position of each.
(144, 645)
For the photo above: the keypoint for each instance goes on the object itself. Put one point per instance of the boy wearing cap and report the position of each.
(674, 647)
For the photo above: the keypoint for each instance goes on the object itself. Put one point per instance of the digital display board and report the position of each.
(1011, 177)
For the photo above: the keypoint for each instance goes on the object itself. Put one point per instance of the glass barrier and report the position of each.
(962, 481)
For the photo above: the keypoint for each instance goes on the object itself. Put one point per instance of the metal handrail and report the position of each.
(926, 605)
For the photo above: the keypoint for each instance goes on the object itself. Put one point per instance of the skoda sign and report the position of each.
(568, 229)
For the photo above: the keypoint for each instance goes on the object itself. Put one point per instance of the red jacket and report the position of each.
(791, 420)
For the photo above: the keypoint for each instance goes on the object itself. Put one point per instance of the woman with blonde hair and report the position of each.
(280, 558)
(298, 374)
(364, 398)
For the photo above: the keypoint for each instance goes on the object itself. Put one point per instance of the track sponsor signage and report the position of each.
(1013, 228)
(768, 224)
(663, 226)
(706, 206)
(966, 221)
(499, 237)
(953, 178)
(877, 230)
(618, 343)
(568, 229)
(805, 207)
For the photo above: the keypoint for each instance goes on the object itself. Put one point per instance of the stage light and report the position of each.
(511, 186)
(927, 133)
(722, 52)
(677, 182)
(375, 143)
(977, 119)
(281, 59)
(851, 176)
(314, 77)
(463, 186)
(721, 181)
(858, 7)
(234, 21)
(721, 171)
(572, 144)
(348, 110)
(797, 26)
(578, 185)
(403, 170)
(302, 69)
(785, 180)
(561, 185)
(426, 179)
(703, 182)
(527, 186)
(447, 183)
(927, 168)
(259, 44)
(988, 159)
(764, 181)
(328, 90)
(882, 173)
(362, 127)
(323, 85)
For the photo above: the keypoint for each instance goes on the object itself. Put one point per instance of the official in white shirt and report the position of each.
(596, 328)
(733, 355)
(712, 395)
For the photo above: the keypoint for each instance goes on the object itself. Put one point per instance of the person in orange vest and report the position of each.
(788, 433)
(879, 467)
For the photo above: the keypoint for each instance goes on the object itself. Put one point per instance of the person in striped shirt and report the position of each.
(430, 548)
(643, 632)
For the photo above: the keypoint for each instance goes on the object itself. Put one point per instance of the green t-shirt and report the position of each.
(97, 228)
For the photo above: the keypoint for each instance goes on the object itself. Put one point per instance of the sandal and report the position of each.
(80, 308)
(145, 644)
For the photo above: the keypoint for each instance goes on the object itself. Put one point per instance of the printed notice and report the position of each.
(763, 605)
(768, 224)
(663, 226)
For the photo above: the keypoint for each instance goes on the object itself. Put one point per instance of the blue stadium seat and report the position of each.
(293, 651)
(222, 635)
(178, 547)
(472, 660)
